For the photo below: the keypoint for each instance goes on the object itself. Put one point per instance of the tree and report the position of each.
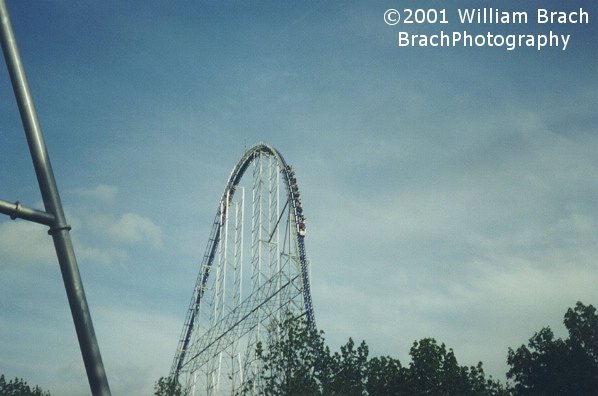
(430, 368)
(292, 366)
(347, 370)
(582, 323)
(559, 367)
(290, 362)
(482, 386)
(18, 387)
(385, 376)
(167, 386)
(295, 361)
(434, 371)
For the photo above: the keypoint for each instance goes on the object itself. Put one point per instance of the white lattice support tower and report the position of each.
(253, 272)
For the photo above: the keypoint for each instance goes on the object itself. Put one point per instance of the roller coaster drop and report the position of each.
(242, 291)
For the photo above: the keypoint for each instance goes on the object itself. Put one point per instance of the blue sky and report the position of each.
(450, 192)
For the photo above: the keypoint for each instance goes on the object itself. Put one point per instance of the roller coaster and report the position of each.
(253, 274)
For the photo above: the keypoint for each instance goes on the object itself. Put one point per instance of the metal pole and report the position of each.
(59, 229)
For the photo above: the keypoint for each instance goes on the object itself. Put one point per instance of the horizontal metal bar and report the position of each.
(16, 210)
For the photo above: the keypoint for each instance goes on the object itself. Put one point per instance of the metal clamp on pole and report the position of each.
(15, 214)
(58, 226)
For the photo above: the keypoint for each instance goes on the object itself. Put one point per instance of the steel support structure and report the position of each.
(250, 278)
(54, 214)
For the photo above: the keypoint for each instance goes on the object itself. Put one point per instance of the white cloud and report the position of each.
(128, 228)
(26, 243)
(102, 192)
(134, 228)
(138, 345)
(106, 255)
(101, 235)
(22, 242)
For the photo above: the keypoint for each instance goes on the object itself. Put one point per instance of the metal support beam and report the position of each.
(16, 210)
(59, 229)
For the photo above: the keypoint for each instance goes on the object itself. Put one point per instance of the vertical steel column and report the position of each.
(59, 229)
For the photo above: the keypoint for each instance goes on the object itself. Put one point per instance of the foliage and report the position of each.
(480, 385)
(347, 370)
(434, 371)
(555, 366)
(289, 363)
(292, 366)
(385, 376)
(296, 362)
(167, 386)
(18, 387)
